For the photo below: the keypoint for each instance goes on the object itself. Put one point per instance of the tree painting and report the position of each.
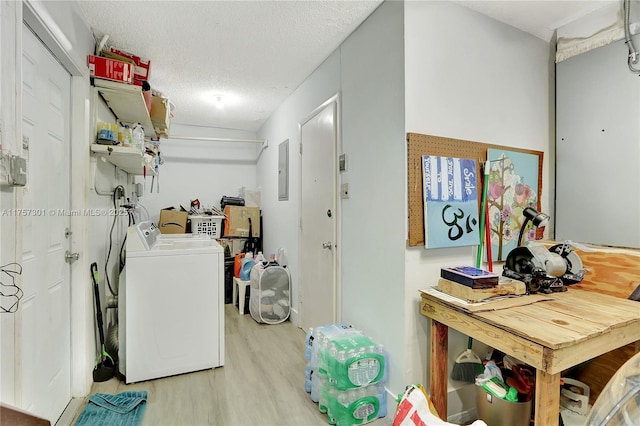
(513, 186)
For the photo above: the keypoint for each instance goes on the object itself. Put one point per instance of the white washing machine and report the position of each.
(170, 304)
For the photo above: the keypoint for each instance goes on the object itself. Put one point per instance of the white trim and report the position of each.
(44, 26)
(337, 231)
(37, 18)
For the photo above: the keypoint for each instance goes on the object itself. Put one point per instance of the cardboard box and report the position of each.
(110, 69)
(160, 115)
(142, 66)
(237, 223)
(173, 221)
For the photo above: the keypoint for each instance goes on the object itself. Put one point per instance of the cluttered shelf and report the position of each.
(127, 103)
(129, 159)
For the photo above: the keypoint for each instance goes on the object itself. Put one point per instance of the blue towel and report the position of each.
(123, 409)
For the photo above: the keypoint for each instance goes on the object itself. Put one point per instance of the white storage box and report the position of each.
(204, 224)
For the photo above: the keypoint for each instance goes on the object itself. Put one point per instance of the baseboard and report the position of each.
(70, 414)
(463, 418)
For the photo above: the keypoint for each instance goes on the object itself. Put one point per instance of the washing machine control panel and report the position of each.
(148, 233)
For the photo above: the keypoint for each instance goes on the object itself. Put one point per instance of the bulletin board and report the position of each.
(419, 145)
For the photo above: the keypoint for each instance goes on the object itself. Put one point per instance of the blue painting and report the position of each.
(450, 196)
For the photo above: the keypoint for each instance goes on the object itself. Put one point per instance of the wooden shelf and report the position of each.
(126, 158)
(127, 103)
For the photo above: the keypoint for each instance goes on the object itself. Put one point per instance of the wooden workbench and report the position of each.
(552, 336)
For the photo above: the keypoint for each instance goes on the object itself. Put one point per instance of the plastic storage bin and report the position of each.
(209, 225)
(495, 411)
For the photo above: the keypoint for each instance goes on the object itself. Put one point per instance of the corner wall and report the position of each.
(467, 77)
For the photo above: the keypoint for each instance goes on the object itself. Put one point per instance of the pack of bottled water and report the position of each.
(354, 406)
(313, 341)
(344, 374)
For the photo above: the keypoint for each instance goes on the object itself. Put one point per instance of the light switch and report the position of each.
(342, 162)
(344, 190)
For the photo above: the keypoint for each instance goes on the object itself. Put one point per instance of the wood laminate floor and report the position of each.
(261, 382)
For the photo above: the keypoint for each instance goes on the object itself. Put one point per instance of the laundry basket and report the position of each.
(270, 300)
(209, 225)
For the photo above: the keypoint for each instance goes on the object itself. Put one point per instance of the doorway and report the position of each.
(319, 217)
(44, 335)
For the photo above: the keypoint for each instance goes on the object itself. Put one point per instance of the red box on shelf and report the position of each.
(142, 66)
(110, 69)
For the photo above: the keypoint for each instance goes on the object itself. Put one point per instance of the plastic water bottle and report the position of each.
(128, 136)
(260, 257)
(138, 137)
(281, 258)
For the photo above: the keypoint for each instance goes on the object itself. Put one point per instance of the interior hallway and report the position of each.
(261, 383)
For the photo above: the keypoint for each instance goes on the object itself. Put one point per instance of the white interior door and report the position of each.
(44, 332)
(318, 294)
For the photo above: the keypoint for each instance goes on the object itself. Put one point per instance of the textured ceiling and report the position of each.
(538, 17)
(256, 53)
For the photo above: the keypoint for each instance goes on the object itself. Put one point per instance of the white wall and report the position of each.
(103, 180)
(280, 218)
(367, 70)
(205, 170)
(467, 77)
(373, 217)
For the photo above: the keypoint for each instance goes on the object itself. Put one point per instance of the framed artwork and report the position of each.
(513, 186)
(450, 196)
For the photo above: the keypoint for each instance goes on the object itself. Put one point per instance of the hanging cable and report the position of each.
(117, 193)
(633, 57)
(10, 294)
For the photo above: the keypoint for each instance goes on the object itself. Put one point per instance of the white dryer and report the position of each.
(170, 304)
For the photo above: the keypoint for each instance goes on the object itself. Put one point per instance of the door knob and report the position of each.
(327, 245)
(71, 257)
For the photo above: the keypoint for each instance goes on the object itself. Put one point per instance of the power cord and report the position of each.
(14, 292)
(118, 192)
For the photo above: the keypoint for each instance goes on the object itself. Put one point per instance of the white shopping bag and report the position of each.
(416, 409)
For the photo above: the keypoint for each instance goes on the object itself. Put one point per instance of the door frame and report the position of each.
(35, 16)
(337, 230)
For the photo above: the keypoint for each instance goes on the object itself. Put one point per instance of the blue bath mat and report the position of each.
(123, 409)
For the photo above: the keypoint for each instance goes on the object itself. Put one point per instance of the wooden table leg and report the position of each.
(438, 367)
(547, 398)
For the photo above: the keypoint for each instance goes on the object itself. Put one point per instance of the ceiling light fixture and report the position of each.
(218, 101)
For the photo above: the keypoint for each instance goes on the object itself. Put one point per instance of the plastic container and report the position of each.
(208, 225)
(495, 411)
(247, 265)
(619, 401)
(237, 264)
(138, 137)
(260, 257)
(281, 257)
(127, 136)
